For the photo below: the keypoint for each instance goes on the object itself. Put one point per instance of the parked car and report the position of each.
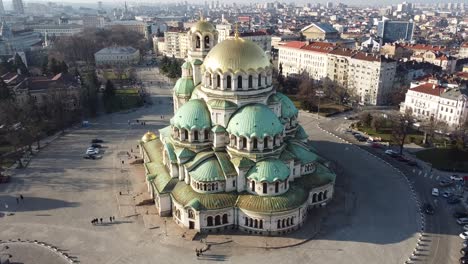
(453, 200)
(361, 139)
(95, 145)
(462, 221)
(376, 145)
(447, 194)
(435, 192)
(465, 243)
(92, 151)
(412, 163)
(97, 140)
(456, 178)
(391, 153)
(444, 183)
(465, 228)
(464, 235)
(428, 209)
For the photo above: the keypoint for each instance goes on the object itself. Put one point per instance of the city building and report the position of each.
(260, 38)
(19, 41)
(320, 31)
(58, 30)
(393, 30)
(297, 57)
(224, 31)
(93, 21)
(431, 99)
(234, 155)
(141, 27)
(371, 78)
(463, 51)
(2, 8)
(117, 56)
(172, 42)
(18, 6)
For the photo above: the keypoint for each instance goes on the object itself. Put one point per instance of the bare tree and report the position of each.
(401, 125)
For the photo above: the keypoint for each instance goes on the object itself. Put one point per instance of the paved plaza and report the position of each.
(372, 219)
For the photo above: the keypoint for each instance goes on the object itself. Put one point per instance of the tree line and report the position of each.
(170, 67)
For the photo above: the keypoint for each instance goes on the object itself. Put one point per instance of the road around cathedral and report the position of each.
(373, 218)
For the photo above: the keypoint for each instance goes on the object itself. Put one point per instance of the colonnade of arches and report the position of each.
(192, 135)
(321, 196)
(206, 186)
(217, 220)
(255, 144)
(254, 223)
(234, 82)
(265, 185)
(286, 222)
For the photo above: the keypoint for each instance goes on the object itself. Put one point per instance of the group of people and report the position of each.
(96, 221)
(198, 252)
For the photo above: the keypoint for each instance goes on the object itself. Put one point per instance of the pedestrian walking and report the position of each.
(113, 218)
(110, 219)
(122, 162)
(17, 200)
(100, 220)
(21, 196)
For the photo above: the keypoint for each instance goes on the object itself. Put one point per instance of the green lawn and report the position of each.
(386, 135)
(445, 159)
(126, 91)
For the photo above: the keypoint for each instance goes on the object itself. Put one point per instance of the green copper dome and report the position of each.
(288, 109)
(255, 120)
(270, 170)
(208, 171)
(192, 115)
(184, 86)
(187, 65)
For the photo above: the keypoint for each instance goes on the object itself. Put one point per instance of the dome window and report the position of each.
(259, 80)
(197, 44)
(253, 186)
(229, 82)
(207, 42)
(239, 82)
(218, 81)
(276, 187)
(195, 135)
(265, 187)
(250, 81)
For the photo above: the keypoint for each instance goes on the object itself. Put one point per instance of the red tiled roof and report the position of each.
(463, 75)
(323, 47)
(464, 45)
(342, 52)
(429, 88)
(424, 47)
(294, 44)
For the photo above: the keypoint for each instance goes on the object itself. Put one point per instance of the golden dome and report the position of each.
(236, 54)
(203, 26)
(148, 136)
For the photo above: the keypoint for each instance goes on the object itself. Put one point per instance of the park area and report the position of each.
(446, 159)
(124, 99)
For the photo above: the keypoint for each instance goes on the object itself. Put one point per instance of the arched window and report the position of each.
(292, 220)
(320, 196)
(250, 222)
(229, 82)
(225, 218)
(177, 214)
(260, 224)
(266, 80)
(274, 141)
(250, 81)
(246, 221)
(217, 220)
(265, 187)
(197, 42)
(256, 223)
(207, 134)
(212, 186)
(195, 135)
(218, 81)
(259, 80)
(287, 222)
(239, 82)
(255, 143)
(204, 186)
(276, 187)
(265, 143)
(325, 195)
(314, 198)
(286, 184)
(244, 142)
(279, 224)
(198, 185)
(283, 223)
(209, 221)
(191, 215)
(211, 80)
(253, 186)
(207, 42)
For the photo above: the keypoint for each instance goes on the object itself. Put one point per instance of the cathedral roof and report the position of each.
(288, 109)
(301, 152)
(293, 198)
(269, 170)
(208, 171)
(192, 115)
(221, 104)
(184, 86)
(235, 55)
(254, 120)
(203, 26)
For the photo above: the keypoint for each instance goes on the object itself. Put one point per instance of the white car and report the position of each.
(464, 235)
(456, 178)
(446, 194)
(92, 151)
(435, 192)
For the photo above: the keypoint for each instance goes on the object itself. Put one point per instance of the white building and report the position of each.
(297, 57)
(117, 56)
(262, 39)
(224, 31)
(443, 102)
(463, 52)
(58, 30)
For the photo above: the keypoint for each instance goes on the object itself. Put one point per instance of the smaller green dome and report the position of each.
(187, 65)
(254, 120)
(192, 115)
(203, 26)
(197, 62)
(208, 171)
(288, 109)
(270, 170)
(184, 86)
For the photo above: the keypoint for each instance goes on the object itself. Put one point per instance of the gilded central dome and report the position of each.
(203, 26)
(236, 54)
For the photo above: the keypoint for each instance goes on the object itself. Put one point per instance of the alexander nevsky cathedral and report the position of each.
(234, 155)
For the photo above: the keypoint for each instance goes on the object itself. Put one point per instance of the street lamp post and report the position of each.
(319, 94)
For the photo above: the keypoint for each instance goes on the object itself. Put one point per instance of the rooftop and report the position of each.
(117, 50)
